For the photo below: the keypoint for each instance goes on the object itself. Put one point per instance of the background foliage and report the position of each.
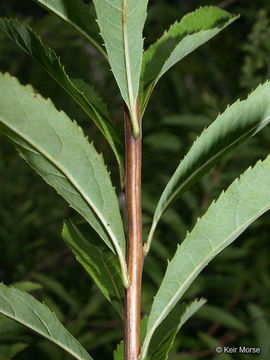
(32, 253)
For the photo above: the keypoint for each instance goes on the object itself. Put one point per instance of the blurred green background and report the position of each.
(187, 99)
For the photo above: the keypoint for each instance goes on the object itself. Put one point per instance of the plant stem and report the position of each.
(134, 229)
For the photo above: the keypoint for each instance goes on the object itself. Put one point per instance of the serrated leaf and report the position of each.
(29, 312)
(244, 201)
(86, 97)
(164, 336)
(58, 151)
(118, 354)
(78, 15)
(98, 261)
(121, 24)
(239, 122)
(181, 39)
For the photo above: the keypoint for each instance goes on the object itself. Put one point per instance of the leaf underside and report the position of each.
(164, 336)
(243, 202)
(121, 23)
(239, 122)
(58, 151)
(101, 263)
(78, 15)
(181, 39)
(86, 97)
(29, 312)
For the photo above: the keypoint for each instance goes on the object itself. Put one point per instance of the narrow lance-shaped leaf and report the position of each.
(244, 201)
(58, 151)
(163, 338)
(101, 263)
(86, 97)
(181, 39)
(26, 310)
(78, 15)
(121, 24)
(239, 122)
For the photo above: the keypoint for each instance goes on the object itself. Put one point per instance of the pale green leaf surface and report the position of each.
(26, 310)
(86, 97)
(58, 151)
(181, 39)
(244, 201)
(164, 336)
(78, 15)
(121, 24)
(101, 263)
(239, 122)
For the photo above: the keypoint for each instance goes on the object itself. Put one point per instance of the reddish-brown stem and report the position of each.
(135, 248)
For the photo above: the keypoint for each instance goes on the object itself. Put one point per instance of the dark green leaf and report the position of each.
(181, 39)
(163, 338)
(98, 261)
(77, 15)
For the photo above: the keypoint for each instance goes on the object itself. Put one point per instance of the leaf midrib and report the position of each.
(197, 171)
(80, 30)
(205, 261)
(69, 350)
(77, 187)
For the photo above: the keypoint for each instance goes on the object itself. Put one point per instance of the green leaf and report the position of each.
(58, 151)
(8, 352)
(181, 39)
(118, 354)
(78, 15)
(121, 23)
(98, 261)
(244, 201)
(239, 122)
(86, 97)
(164, 336)
(29, 312)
